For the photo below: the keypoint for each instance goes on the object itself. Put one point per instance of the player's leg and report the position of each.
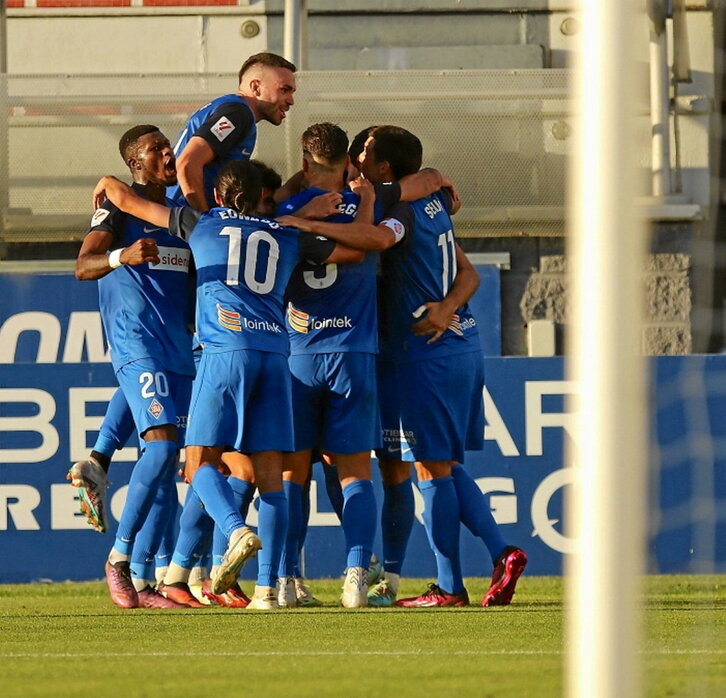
(397, 509)
(397, 517)
(359, 524)
(306, 392)
(147, 542)
(272, 519)
(431, 425)
(217, 417)
(90, 475)
(296, 471)
(351, 430)
(241, 480)
(195, 531)
(267, 423)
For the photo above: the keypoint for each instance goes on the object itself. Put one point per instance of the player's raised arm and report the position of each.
(124, 197)
(190, 170)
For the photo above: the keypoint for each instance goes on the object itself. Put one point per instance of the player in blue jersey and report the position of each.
(431, 377)
(196, 528)
(331, 322)
(143, 284)
(241, 397)
(225, 129)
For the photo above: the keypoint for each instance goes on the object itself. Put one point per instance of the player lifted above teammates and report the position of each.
(432, 376)
(226, 129)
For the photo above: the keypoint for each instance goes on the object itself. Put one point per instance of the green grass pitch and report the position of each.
(69, 640)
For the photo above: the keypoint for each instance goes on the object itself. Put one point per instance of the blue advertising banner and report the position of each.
(55, 381)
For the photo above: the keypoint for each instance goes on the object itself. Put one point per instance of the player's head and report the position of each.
(357, 145)
(271, 182)
(238, 186)
(325, 148)
(390, 153)
(148, 155)
(268, 82)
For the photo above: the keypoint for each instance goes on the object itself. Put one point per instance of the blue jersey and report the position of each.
(419, 269)
(144, 307)
(331, 307)
(228, 125)
(243, 266)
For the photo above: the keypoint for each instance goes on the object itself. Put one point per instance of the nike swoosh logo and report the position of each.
(151, 230)
(246, 152)
(393, 449)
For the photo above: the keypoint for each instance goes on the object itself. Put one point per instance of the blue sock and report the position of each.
(168, 540)
(334, 490)
(397, 516)
(216, 495)
(303, 534)
(195, 530)
(291, 551)
(441, 518)
(117, 425)
(272, 529)
(157, 463)
(475, 512)
(242, 492)
(149, 537)
(359, 522)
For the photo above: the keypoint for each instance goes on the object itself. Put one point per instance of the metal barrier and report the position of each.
(503, 136)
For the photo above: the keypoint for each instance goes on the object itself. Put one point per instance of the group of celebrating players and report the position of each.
(330, 320)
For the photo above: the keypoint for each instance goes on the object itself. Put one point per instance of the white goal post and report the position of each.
(606, 255)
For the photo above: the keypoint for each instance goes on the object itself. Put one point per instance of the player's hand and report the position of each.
(435, 320)
(141, 251)
(295, 222)
(448, 184)
(99, 192)
(362, 186)
(321, 206)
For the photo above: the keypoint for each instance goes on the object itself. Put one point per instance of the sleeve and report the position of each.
(446, 199)
(226, 127)
(388, 194)
(315, 248)
(107, 218)
(182, 221)
(399, 219)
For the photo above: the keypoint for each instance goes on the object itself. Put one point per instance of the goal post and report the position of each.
(607, 243)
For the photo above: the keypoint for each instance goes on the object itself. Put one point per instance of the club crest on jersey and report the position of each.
(155, 409)
(229, 319)
(299, 321)
(222, 128)
(99, 216)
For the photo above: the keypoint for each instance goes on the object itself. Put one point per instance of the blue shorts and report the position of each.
(242, 399)
(432, 410)
(335, 402)
(155, 396)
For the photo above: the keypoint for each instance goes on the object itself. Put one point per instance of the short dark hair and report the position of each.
(270, 178)
(400, 148)
(325, 142)
(239, 184)
(271, 60)
(128, 143)
(358, 143)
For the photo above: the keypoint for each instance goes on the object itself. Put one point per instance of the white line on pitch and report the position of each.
(347, 653)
